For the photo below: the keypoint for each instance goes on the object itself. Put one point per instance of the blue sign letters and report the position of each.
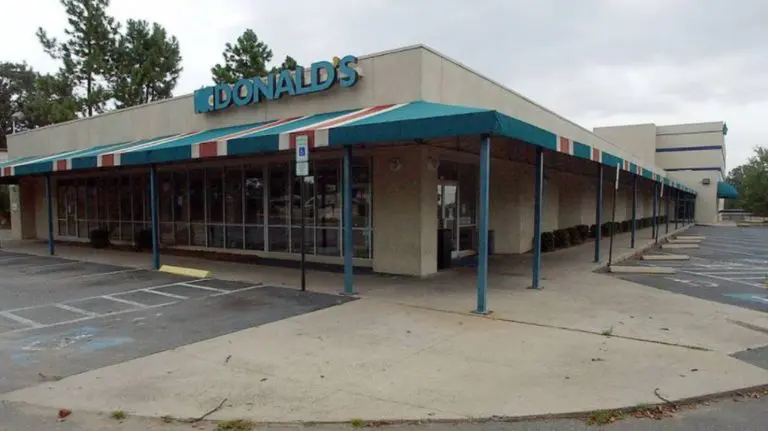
(254, 90)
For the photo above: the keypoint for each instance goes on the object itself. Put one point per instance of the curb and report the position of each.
(603, 266)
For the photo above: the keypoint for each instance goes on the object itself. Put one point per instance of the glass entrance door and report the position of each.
(447, 206)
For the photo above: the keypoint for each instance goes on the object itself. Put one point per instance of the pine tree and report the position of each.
(247, 58)
(85, 52)
(146, 64)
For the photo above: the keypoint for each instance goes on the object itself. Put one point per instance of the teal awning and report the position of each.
(406, 122)
(726, 191)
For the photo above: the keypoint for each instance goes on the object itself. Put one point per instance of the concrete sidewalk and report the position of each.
(411, 349)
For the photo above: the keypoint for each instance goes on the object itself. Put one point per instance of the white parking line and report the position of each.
(733, 272)
(212, 289)
(96, 274)
(170, 295)
(76, 310)
(19, 319)
(722, 278)
(255, 286)
(125, 301)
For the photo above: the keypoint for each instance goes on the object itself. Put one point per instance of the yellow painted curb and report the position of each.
(189, 272)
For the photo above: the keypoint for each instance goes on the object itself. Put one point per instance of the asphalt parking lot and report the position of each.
(61, 317)
(730, 266)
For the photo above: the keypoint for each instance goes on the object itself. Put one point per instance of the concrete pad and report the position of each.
(628, 269)
(189, 272)
(379, 361)
(666, 257)
(683, 241)
(698, 237)
(678, 246)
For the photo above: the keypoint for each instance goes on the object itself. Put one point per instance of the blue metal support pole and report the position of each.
(155, 219)
(349, 282)
(537, 215)
(653, 216)
(49, 204)
(666, 219)
(677, 207)
(599, 212)
(482, 225)
(634, 211)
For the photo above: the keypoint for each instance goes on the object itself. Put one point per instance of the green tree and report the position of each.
(735, 178)
(52, 101)
(146, 64)
(17, 81)
(247, 58)
(288, 64)
(85, 52)
(753, 186)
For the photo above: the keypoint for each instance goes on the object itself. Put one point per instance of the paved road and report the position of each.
(731, 266)
(726, 415)
(61, 317)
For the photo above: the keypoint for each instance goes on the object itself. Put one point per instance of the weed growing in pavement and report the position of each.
(607, 332)
(118, 415)
(235, 425)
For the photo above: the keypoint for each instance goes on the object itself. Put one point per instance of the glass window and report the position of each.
(233, 196)
(214, 195)
(254, 194)
(197, 195)
(138, 184)
(360, 196)
(180, 198)
(309, 240)
(278, 238)
(327, 199)
(165, 196)
(279, 200)
(327, 241)
(126, 204)
(254, 238)
(61, 200)
(308, 205)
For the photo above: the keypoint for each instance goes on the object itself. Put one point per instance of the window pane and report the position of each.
(279, 201)
(361, 199)
(278, 239)
(468, 185)
(362, 242)
(113, 199)
(233, 197)
(234, 236)
(327, 199)
(81, 199)
(167, 235)
(254, 195)
(309, 240)
(126, 231)
(165, 198)
(215, 195)
(91, 212)
(82, 229)
(125, 199)
(216, 236)
(180, 198)
(254, 238)
(139, 192)
(296, 205)
(328, 242)
(61, 201)
(182, 233)
(197, 195)
(197, 234)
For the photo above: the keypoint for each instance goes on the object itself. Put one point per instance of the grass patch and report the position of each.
(118, 415)
(235, 425)
(167, 419)
(607, 332)
(604, 417)
(357, 423)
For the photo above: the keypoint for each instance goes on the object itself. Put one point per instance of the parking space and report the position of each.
(60, 317)
(730, 266)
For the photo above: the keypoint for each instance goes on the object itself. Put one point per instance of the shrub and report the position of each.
(547, 241)
(583, 231)
(593, 231)
(142, 239)
(575, 235)
(606, 229)
(562, 238)
(100, 238)
(617, 227)
(625, 225)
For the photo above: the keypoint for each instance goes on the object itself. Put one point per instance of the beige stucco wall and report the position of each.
(707, 203)
(640, 139)
(405, 216)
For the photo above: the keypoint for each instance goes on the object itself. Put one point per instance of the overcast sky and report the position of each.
(597, 62)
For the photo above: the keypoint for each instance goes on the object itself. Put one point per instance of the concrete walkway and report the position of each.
(411, 349)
